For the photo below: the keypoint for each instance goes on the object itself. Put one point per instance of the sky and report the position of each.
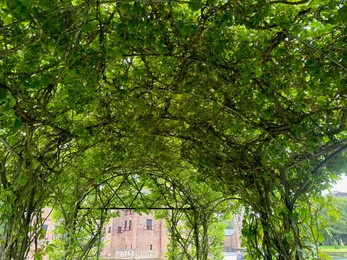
(341, 185)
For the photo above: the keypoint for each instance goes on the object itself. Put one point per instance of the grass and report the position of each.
(328, 249)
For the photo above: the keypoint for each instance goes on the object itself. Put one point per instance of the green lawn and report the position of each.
(333, 248)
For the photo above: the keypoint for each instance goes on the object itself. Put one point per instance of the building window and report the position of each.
(125, 246)
(45, 228)
(150, 247)
(149, 224)
(125, 225)
(119, 229)
(109, 229)
(130, 224)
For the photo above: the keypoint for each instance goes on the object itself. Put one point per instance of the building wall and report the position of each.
(232, 238)
(238, 227)
(138, 242)
(48, 226)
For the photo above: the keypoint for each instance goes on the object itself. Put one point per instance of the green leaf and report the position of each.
(50, 248)
(26, 3)
(194, 6)
(185, 28)
(269, 112)
(3, 94)
(342, 14)
(22, 180)
(17, 123)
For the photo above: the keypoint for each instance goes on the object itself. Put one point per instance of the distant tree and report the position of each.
(338, 222)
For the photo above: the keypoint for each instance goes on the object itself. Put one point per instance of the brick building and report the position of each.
(134, 236)
(130, 236)
(48, 226)
(232, 237)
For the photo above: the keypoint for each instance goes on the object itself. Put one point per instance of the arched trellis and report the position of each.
(189, 208)
(138, 191)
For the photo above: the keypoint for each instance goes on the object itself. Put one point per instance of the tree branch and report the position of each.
(150, 1)
(317, 50)
(6, 144)
(289, 3)
(304, 187)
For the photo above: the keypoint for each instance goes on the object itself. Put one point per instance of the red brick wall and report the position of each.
(137, 243)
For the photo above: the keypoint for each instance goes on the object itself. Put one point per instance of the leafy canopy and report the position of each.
(247, 97)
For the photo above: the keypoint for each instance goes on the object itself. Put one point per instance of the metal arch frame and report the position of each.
(172, 193)
(180, 196)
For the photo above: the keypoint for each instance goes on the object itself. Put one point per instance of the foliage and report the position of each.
(339, 229)
(229, 224)
(337, 219)
(245, 98)
(199, 233)
(332, 249)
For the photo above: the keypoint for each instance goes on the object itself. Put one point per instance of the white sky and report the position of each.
(341, 185)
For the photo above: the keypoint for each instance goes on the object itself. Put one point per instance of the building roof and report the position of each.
(339, 194)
